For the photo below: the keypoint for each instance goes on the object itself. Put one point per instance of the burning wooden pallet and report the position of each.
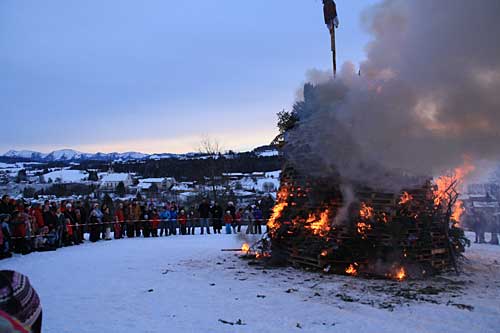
(380, 234)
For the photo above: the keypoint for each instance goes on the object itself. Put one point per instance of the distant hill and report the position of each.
(70, 155)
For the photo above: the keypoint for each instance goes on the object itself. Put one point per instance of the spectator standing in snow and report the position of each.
(237, 220)
(172, 225)
(119, 219)
(95, 223)
(204, 213)
(248, 218)
(228, 221)
(257, 215)
(155, 222)
(190, 221)
(60, 224)
(182, 218)
(107, 220)
(165, 218)
(136, 213)
(146, 223)
(217, 214)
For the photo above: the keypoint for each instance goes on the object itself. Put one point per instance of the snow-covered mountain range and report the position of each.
(73, 155)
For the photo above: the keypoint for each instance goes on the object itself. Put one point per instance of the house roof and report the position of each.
(115, 177)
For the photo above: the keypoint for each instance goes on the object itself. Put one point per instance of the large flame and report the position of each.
(456, 179)
(245, 247)
(281, 203)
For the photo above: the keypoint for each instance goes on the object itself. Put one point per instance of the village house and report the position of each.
(110, 181)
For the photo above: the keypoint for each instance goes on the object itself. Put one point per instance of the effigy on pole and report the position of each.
(332, 22)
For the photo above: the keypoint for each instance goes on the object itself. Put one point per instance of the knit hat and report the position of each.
(18, 298)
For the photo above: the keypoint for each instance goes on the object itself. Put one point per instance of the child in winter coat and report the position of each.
(228, 221)
(182, 218)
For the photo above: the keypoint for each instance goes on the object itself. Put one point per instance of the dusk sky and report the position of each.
(158, 75)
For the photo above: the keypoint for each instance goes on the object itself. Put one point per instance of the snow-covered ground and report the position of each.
(186, 284)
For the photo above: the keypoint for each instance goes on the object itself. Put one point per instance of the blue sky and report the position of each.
(158, 75)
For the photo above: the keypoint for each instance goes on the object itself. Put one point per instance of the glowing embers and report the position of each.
(405, 198)
(366, 212)
(352, 270)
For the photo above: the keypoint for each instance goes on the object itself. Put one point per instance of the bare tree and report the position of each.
(212, 149)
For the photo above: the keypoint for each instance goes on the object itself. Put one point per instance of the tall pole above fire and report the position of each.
(332, 22)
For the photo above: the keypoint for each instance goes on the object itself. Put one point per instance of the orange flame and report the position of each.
(245, 247)
(443, 183)
(324, 253)
(363, 228)
(351, 270)
(319, 226)
(281, 204)
(405, 198)
(400, 274)
(458, 211)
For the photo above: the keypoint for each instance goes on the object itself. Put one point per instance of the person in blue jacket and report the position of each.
(172, 226)
(164, 221)
(258, 219)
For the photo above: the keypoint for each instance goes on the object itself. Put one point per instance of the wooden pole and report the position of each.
(334, 51)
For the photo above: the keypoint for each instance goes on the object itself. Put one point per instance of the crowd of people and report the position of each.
(35, 226)
(482, 223)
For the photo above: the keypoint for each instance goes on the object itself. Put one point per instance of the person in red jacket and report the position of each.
(155, 223)
(20, 221)
(182, 219)
(36, 212)
(119, 220)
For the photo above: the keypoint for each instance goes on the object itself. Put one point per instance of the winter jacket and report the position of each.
(155, 221)
(165, 215)
(204, 210)
(217, 212)
(173, 215)
(238, 218)
(257, 215)
(119, 216)
(228, 219)
(38, 215)
(50, 219)
(232, 210)
(182, 219)
(248, 216)
(20, 225)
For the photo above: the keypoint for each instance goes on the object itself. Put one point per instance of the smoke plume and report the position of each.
(428, 95)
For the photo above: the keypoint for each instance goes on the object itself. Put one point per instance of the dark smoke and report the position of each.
(428, 95)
